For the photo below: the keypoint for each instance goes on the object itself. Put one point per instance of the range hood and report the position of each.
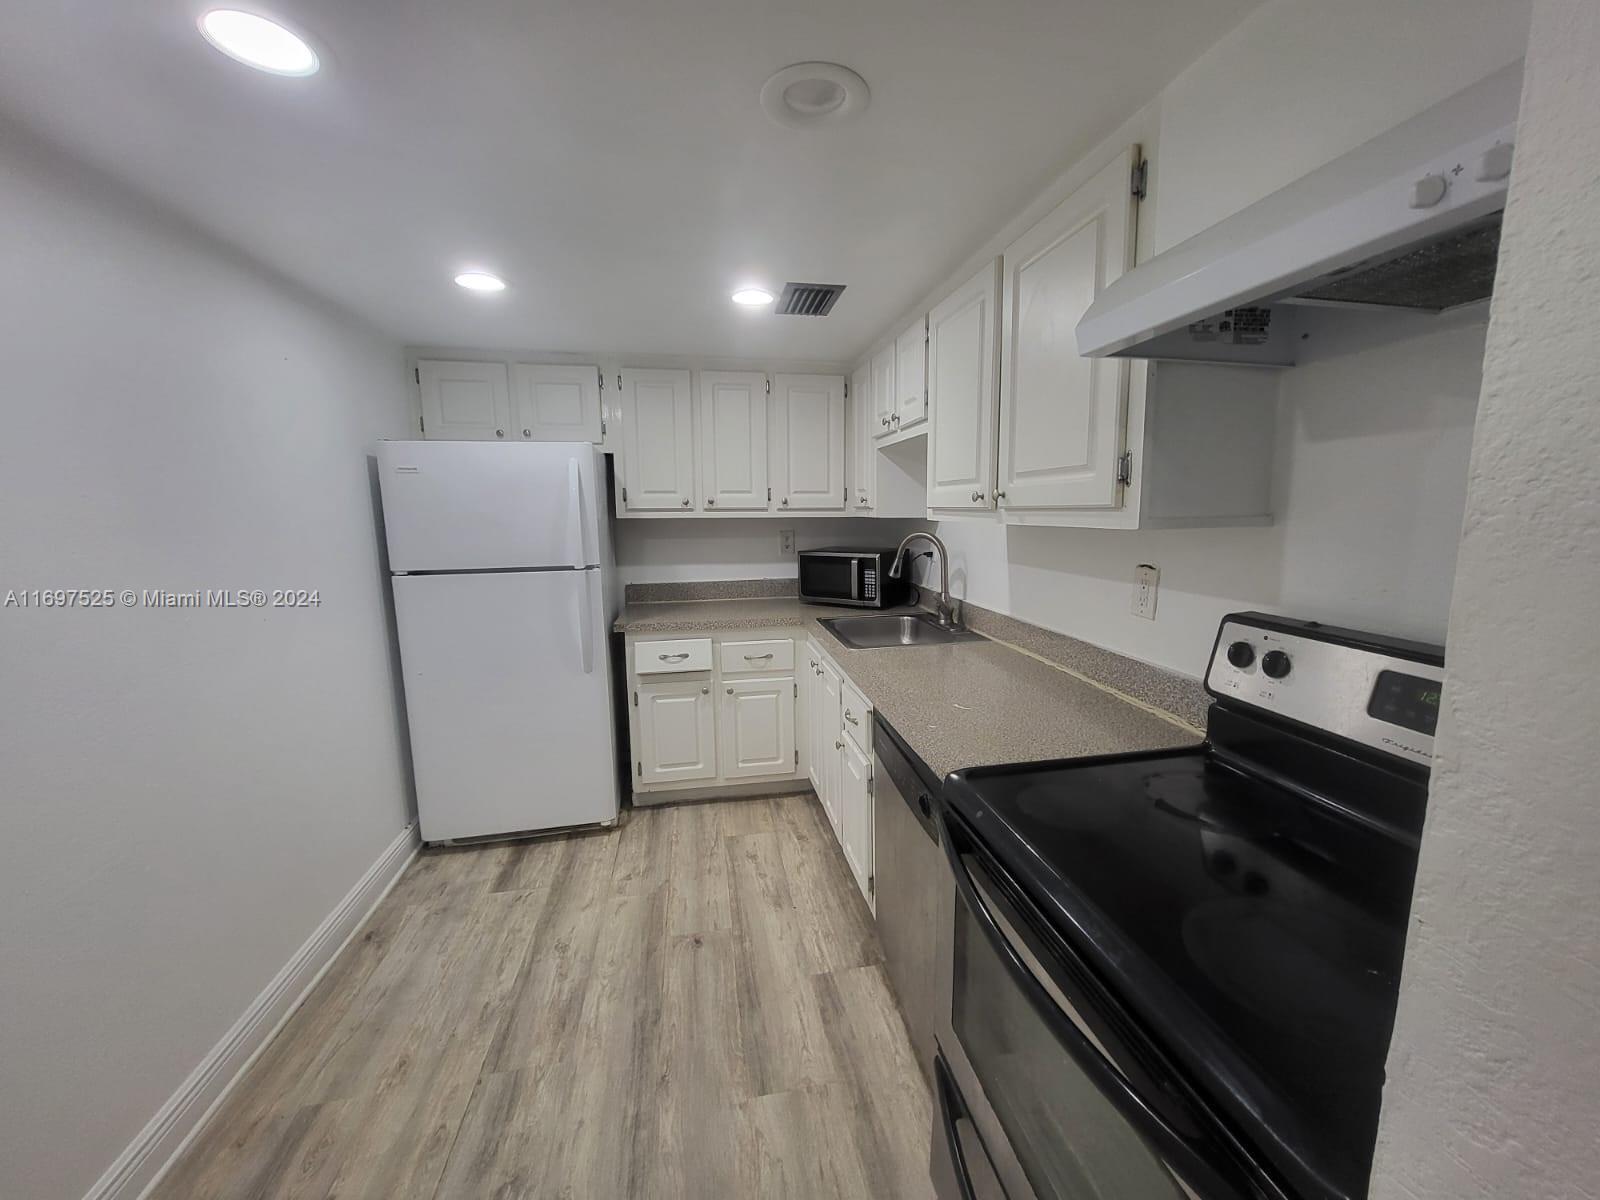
(1409, 220)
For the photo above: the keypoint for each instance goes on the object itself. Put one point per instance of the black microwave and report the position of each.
(860, 578)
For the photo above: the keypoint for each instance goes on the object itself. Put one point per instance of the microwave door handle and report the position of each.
(1183, 1159)
(855, 578)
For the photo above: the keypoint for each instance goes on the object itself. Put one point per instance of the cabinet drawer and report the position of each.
(660, 658)
(743, 658)
(855, 715)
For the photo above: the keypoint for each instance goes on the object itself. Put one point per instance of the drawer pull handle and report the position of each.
(851, 717)
(756, 657)
(673, 657)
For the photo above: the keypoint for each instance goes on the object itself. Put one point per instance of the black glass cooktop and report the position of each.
(1255, 933)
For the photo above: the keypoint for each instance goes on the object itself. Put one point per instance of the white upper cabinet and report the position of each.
(658, 454)
(910, 376)
(464, 401)
(556, 403)
(733, 441)
(807, 438)
(1061, 416)
(963, 393)
(861, 417)
(883, 393)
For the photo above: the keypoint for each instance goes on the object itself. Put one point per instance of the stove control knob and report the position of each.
(1241, 654)
(1275, 664)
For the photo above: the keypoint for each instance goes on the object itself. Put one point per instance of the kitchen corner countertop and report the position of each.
(966, 704)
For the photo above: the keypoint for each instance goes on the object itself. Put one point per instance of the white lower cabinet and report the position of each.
(677, 732)
(855, 814)
(839, 733)
(712, 714)
(756, 728)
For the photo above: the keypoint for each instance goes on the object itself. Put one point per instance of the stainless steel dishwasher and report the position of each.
(915, 890)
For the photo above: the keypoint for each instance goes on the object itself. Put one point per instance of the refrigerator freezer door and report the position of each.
(508, 698)
(479, 506)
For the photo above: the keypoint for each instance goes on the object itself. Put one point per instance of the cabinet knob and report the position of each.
(785, 502)
(862, 500)
(977, 496)
(730, 691)
(999, 495)
(838, 745)
(705, 691)
(499, 433)
(527, 433)
(686, 502)
(710, 501)
(895, 417)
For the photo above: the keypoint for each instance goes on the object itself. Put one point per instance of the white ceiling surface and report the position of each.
(609, 157)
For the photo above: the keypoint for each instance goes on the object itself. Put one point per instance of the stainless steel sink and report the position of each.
(904, 629)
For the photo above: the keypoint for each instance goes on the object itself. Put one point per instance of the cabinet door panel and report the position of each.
(676, 733)
(963, 393)
(733, 440)
(756, 731)
(911, 376)
(863, 455)
(808, 442)
(830, 743)
(464, 401)
(1061, 416)
(856, 816)
(883, 393)
(557, 403)
(658, 471)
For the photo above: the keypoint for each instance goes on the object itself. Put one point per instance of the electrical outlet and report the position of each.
(786, 541)
(1146, 579)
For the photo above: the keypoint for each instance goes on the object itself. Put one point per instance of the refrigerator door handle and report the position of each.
(585, 633)
(575, 515)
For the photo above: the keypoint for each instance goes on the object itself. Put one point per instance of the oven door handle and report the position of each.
(1182, 1159)
(948, 1116)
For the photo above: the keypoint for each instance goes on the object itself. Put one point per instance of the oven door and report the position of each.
(1069, 1101)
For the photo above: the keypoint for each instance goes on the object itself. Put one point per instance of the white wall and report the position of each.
(670, 551)
(1373, 432)
(1494, 1071)
(187, 793)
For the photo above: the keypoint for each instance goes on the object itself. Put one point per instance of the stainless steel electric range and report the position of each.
(1174, 974)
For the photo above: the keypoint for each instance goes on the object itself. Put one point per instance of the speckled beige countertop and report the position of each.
(967, 704)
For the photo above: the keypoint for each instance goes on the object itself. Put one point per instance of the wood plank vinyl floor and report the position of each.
(693, 1005)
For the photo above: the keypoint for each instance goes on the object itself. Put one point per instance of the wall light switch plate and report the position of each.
(1146, 579)
(786, 540)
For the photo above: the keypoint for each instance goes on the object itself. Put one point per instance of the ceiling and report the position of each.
(609, 158)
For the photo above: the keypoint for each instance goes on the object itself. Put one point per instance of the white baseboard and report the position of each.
(186, 1112)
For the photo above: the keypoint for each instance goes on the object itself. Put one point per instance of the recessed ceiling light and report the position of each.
(752, 297)
(480, 281)
(258, 42)
(814, 93)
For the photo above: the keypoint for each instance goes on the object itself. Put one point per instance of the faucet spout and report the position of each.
(945, 610)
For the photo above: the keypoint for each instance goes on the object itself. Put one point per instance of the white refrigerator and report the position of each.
(500, 562)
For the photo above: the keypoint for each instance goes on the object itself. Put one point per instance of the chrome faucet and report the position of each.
(946, 608)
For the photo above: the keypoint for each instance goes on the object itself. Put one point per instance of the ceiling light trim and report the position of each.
(482, 282)
(791, 107)
(230, 31)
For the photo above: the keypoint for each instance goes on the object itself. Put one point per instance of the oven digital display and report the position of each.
(1407, 701)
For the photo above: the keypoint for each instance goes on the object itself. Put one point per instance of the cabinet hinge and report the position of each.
(769, 495)
(872, 883)
(1141, 178)
(602, 375)
(417, 372)
(797, 758)
(1125, 467)
(769, 387)
(639, 770)
(422, 424)
(847, 389)
(636, 699)
(624, 495)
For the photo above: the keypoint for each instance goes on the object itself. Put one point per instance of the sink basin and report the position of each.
(907, 629)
